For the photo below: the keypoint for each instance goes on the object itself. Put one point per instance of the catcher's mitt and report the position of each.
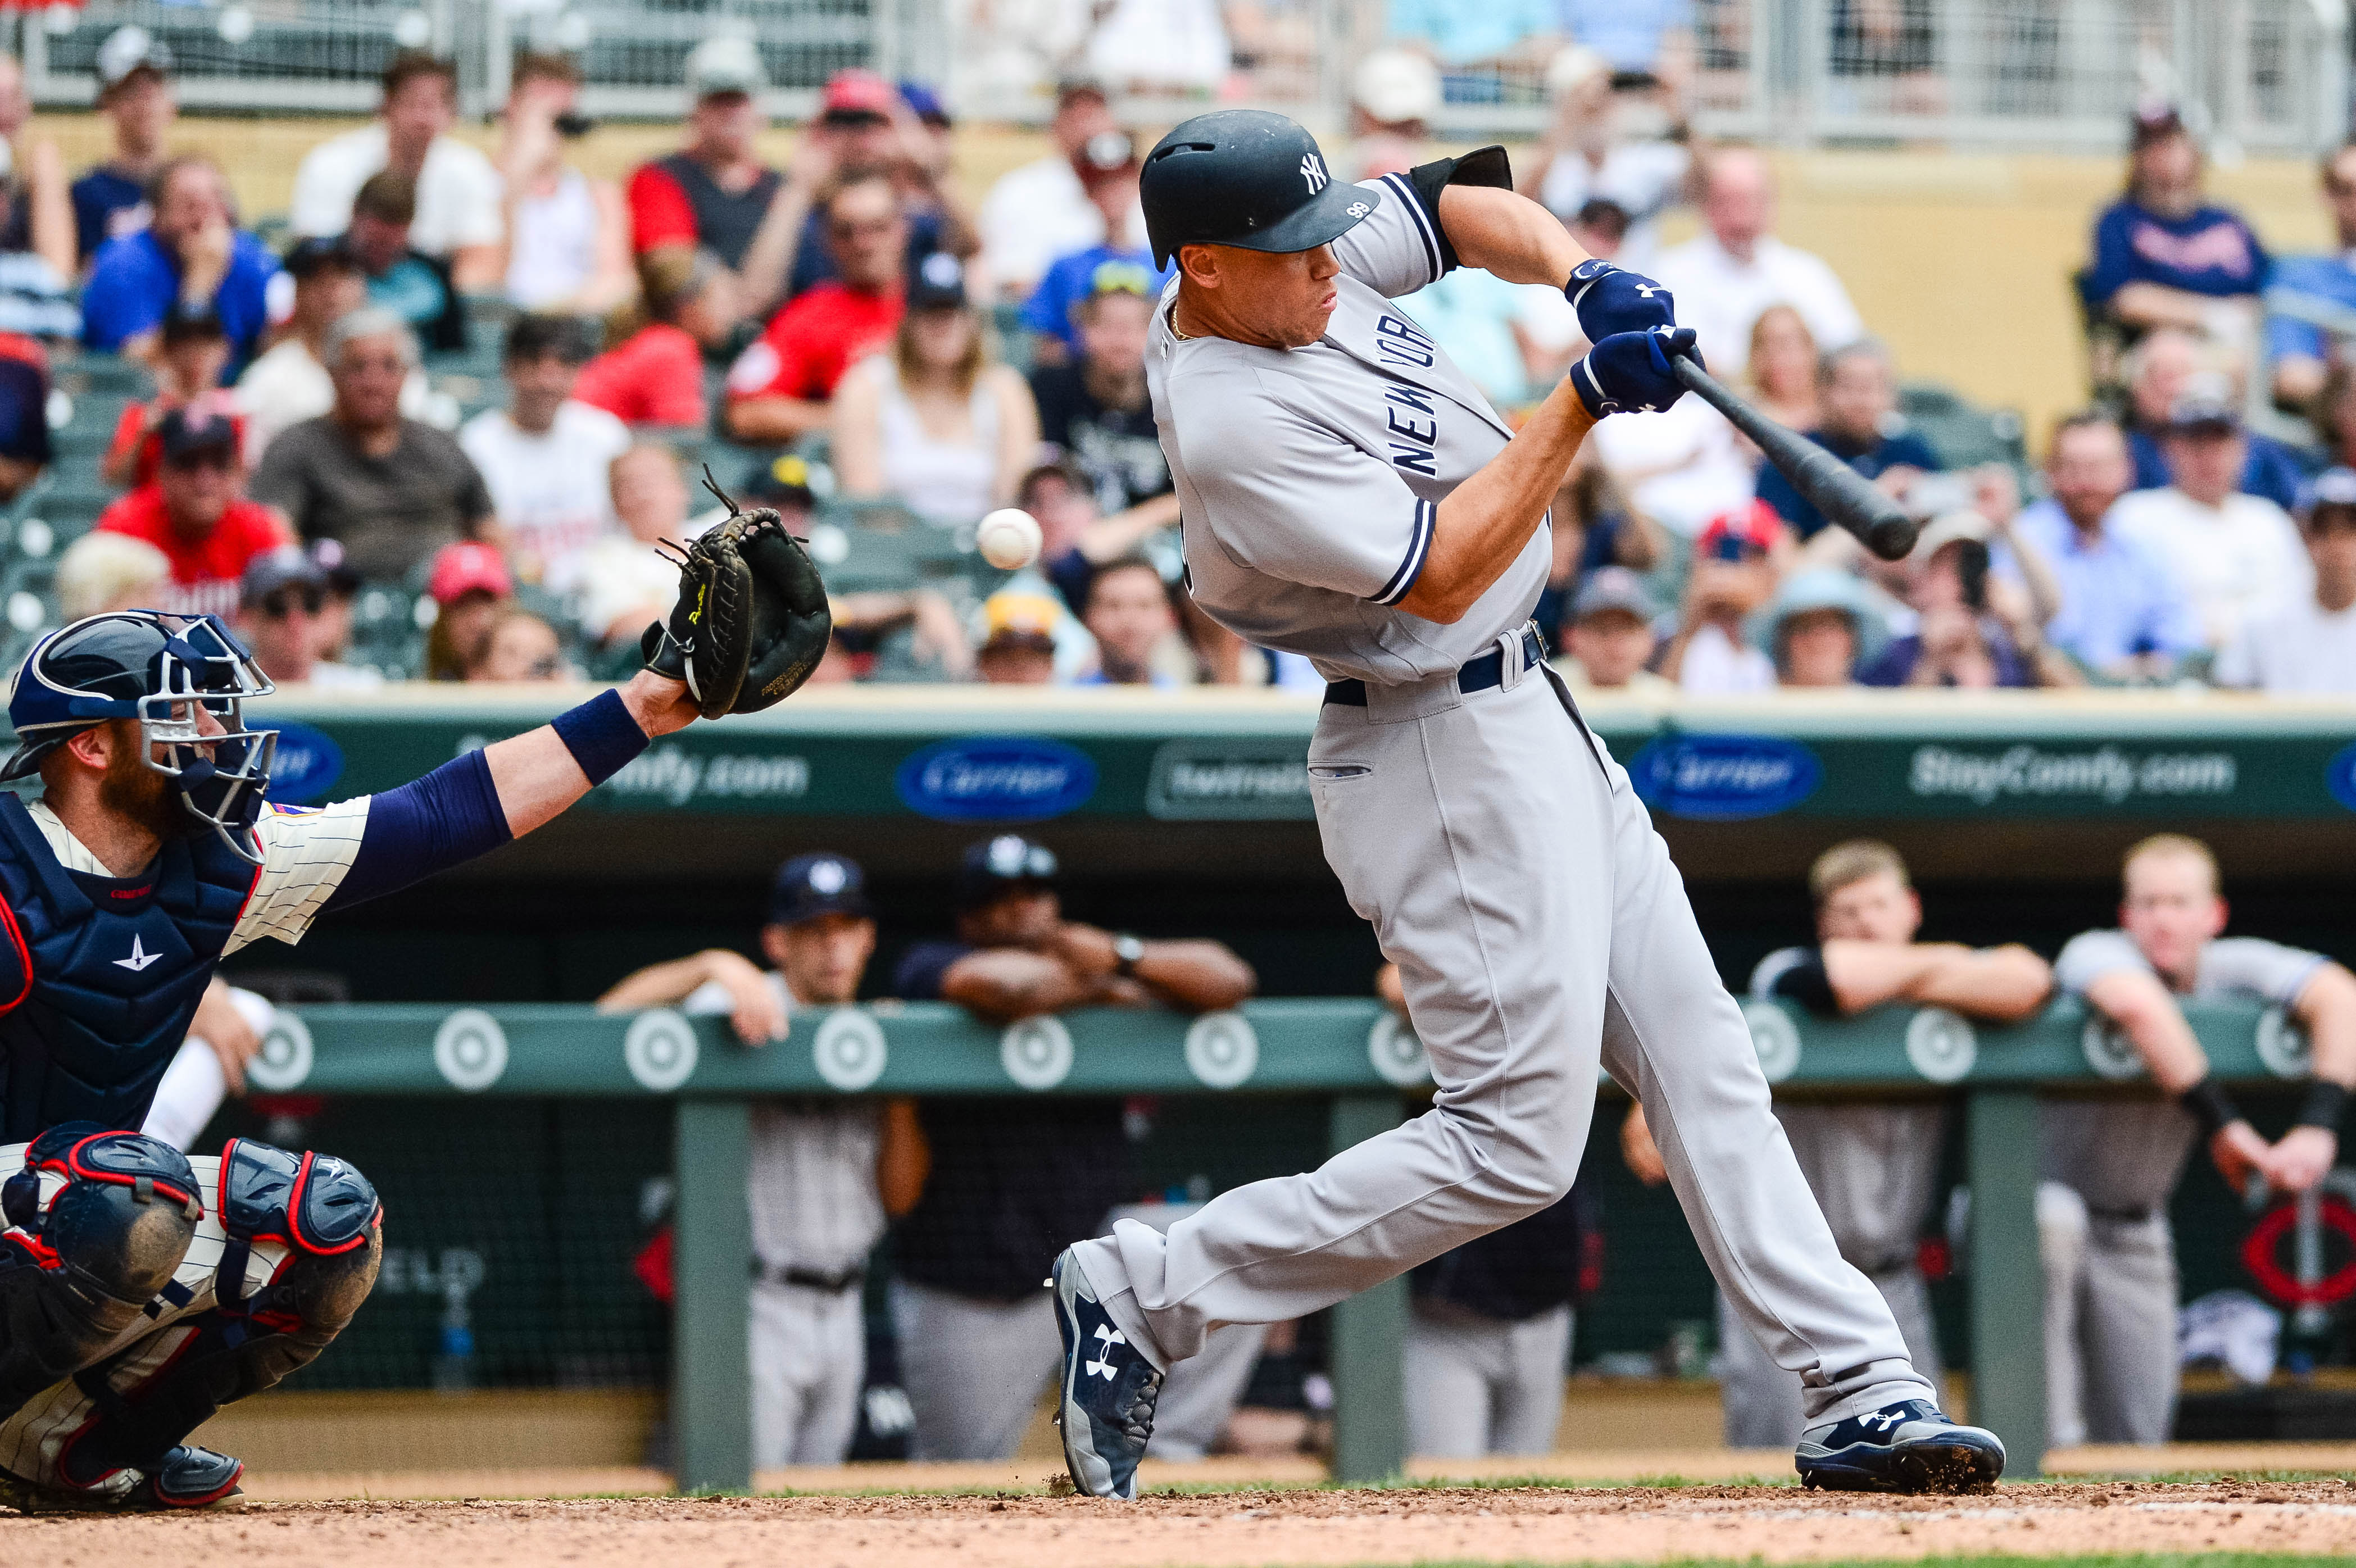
(751, 621)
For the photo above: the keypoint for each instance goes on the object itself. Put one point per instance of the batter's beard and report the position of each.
(132, 790)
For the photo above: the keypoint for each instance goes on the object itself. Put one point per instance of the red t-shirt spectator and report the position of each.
(811, 342)
(654, 376)
(132, 427)
(205, 571)
(675, 201)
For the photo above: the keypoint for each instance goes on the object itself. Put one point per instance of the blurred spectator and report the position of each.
(653, 374)
(1725, 278)
(392, 489)
(1129, 614)
(469, 585)
(1782, 369)
(1820, 627)
(191, 353)
(2169, 364)
(715, 193)
(2235, 555)
(936, 423)
(1493, 35)
(1075, 535)
(1959, 641)
(1607, 638)
(1859, 389)
(2300, 348)
(1018, 643)
(191, 259)
(780, 387)
(1394, 98)
(458, 197)
(1009, 1189)
(2162, 257)
(134, 93)
(1095, 414)
(35, 206)
(414, 286)
(1594, 527)
(335, 612)
(1587, 155)
(1108, 168)
(192, 511)
(102, 572)
(1160, 45)
(1874, 1168)
(624, 582)
(547, 459)
(566, 237)
(1735, 562)
(281, 609)
(288, 384)
(1514, 341)
(2108, 1166)
(864, 128)
(2307, 643)
(519, 645)
(1680, 468)
(24, 422)
(2122, 615)
(1041, 210)
(1653, 36)
(2333, 416)
(822, 1175)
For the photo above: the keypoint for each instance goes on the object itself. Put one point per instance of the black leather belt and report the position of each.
(851, 1278)
(1474, 675)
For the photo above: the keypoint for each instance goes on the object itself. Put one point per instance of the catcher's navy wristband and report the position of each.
(601, 735)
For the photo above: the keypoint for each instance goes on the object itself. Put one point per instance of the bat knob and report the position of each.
(1892, 537)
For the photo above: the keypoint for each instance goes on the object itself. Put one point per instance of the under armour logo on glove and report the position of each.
(1612, 300)
(1313, 172)
(1107, 1337)
(1629, 372)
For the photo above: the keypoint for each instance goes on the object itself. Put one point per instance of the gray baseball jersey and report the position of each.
(1309, 478)
(2125, 1156)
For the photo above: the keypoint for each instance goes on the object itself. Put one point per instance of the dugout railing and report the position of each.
(1350, 1051)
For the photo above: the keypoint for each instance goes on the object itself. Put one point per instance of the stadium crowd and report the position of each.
(854, 339)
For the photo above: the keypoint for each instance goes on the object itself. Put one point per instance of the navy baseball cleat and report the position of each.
(1106, 1403)
(1908, 1446)
(187, 1477)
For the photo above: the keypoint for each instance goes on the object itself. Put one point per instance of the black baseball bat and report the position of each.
(1832, 486)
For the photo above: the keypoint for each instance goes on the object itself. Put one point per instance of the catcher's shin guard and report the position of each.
(77, 1269)
(327, 1215)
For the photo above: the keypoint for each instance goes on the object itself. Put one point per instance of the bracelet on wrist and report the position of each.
(2324, 1104)
(2210, 1107)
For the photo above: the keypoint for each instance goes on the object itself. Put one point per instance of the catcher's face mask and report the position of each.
(185, 679)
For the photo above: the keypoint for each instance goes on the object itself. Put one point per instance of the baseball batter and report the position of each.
(1349, 495)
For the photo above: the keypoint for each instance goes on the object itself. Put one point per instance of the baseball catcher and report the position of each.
(141, 1289)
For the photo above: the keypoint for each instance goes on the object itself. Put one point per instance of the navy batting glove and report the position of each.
(1611, 300)
(1628, 373)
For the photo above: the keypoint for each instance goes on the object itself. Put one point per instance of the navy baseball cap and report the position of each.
(808, 885)
(187, 431)
(991, 870)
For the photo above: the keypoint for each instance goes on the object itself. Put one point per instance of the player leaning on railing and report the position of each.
(140, 1289)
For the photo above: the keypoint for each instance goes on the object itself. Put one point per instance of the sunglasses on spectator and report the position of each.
(279, 605)
(853, 120)
(209, 457)
(860, 231)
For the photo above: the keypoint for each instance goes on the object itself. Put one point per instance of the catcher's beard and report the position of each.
(132, 789)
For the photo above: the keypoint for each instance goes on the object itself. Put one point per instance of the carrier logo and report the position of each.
(2340, 778)
(995, 778)
(2106, 774)
(1724, 778)
(306, 766)
(1312, 173)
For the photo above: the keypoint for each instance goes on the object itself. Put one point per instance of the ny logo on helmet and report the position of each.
(1313, 172)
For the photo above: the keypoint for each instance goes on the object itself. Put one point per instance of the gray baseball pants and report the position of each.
(810, 1361)
(2111, 1366)
(1539, 924)
(1477, 1385)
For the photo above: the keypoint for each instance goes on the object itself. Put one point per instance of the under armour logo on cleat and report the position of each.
(1884, 1419)
(140, 958)
(1108, 1336)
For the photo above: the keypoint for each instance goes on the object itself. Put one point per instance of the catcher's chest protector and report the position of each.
(100, 976)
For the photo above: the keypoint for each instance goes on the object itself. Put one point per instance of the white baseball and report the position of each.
(1008, 538)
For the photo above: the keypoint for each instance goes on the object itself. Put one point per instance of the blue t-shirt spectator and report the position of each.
(1073, 277)
(2273, 469)
(2119, 599)
(1459, 32)
(1894, 665)
(2207, 252)
(1904, 450)
(1628, 33)
(135, 282)
(2327, 280)
(107, 205)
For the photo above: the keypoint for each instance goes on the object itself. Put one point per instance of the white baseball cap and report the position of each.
(1394, 85)
(1572, 66)
(727, 63)
(127, 49)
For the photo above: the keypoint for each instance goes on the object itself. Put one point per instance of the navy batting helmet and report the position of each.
(159, 670)
(1245, 178)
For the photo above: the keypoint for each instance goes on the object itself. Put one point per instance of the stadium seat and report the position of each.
(1964, 435)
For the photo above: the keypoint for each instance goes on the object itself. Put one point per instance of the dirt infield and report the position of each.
(1247, 1529)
